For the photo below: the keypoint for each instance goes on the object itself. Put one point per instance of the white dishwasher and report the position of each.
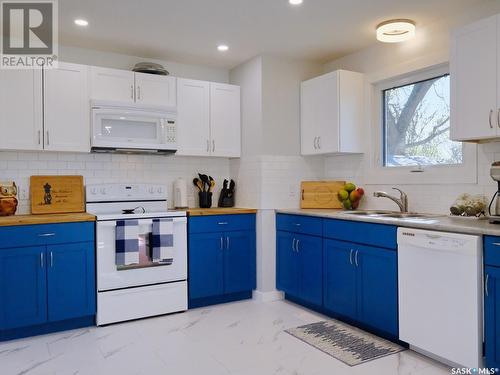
(440, 295)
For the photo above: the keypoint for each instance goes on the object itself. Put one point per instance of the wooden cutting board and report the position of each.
(56, 194)
(320, 194)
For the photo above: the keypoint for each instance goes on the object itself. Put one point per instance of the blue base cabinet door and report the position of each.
(71, 281)
(23, 287)
(340, 281)
(377, 288)
(206, 252)
(492, 316)
(239, 262)
(287, 263)
(310, 258)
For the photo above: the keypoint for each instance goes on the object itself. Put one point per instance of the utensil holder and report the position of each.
(205, 199)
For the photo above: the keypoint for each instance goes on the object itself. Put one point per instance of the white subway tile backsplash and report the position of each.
(111, 168)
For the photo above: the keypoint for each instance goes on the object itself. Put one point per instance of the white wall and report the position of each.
(119, 61)
(381, 61)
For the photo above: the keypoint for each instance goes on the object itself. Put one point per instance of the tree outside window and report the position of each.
(417, 125)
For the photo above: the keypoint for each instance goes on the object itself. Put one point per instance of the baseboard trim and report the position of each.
(274, 295)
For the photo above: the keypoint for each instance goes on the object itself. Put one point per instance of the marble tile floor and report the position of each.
(241, 338)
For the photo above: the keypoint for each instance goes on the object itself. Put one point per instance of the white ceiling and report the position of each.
(189, 30)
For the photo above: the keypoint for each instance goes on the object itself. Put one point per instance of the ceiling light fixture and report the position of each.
(222, 47)
(295, 2)
(395, 31)
(81, 22)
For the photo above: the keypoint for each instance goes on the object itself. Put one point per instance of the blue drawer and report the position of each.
(221, 223)
(492, 251)
(300, 224)
(379, 235)
(46, 234)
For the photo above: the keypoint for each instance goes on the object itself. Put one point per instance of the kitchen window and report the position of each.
(410, 132)
(416, 124)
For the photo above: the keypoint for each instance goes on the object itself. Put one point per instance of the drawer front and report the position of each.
(45, 234)
(221, 223)
(300, 224)
(379, 235)
(492, 251)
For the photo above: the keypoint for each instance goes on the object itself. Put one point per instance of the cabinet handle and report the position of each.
(350, 256)
(491, 113)
(293, 245)
(46, 235)
(227, 242)
(222, 223)
(51, 259)
(496, 243)
(315, 143)
(356, 258)
(319, 143)
(139, 92)
(297, 245)
(213, 145)
(297, 224)
(48, 139)
(39, 137)
(486, 284)
(221, 242)
(41, 260)
(498, 117)
(208, 145)
(132, 92)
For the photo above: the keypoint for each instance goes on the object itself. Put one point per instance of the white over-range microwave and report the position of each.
(133, 130)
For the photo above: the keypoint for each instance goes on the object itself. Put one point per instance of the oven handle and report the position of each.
(112, 223)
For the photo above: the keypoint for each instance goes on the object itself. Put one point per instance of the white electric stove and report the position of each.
(143, 289)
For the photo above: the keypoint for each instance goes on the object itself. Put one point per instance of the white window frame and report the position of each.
(377, 173)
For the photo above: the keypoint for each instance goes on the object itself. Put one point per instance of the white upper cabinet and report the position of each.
(225, 120)
(66, 108)
(193, 121)
(123, 86)
(331, 116)
(155, 90)
(21, 109)
(474, 72)
(112, 85)
(209, 119)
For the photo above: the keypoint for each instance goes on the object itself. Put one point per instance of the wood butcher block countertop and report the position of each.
(219, 211)
(45, 219)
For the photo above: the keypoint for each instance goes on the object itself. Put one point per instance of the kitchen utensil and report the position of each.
(212, 184)
(180, 193)
(320, 194)
(232, 185)
(150, 68)
(198, 184)
(204, 179)
(56, 194)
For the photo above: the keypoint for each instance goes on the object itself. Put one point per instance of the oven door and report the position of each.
(111, 277)
(132, 128)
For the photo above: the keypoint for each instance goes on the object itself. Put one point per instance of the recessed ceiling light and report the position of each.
(81, 22)
(222, 47)
(395, 31)
(295, 2)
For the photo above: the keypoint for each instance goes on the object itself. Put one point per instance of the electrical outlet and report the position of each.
(292, 192)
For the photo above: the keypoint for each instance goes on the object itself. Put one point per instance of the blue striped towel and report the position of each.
(127, 242)
(162, 240)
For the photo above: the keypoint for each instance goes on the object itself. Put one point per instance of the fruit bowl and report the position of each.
(350, 196)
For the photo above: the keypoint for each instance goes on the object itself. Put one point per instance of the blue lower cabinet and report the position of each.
(299, 266)
(239, 262)
(310, 250)
(492, 316)
(221, 259)
(49, 287)
(23, 287)
(340, 278)
(206, 265)
(287, 263)
(71, 281)
(378, 289)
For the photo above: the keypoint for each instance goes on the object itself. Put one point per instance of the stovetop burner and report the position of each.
(131, 211)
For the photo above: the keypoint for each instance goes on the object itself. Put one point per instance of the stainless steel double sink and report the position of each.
(390, 214)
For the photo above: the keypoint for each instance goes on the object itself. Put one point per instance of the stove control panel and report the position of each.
(124, 192)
